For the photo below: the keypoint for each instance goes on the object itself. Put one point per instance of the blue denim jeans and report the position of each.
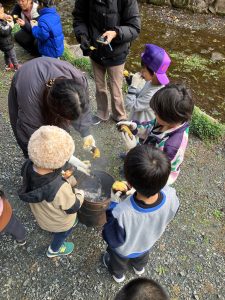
(59, 238)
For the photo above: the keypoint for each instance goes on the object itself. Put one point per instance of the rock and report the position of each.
(217, 56)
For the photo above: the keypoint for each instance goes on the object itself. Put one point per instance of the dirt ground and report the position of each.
(188, 260)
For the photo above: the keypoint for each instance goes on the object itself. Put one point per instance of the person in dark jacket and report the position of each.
(48, 31)
(49, 91)
(6, 40)
(23, 12)
(109, 27)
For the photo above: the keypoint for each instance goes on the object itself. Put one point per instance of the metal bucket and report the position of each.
(92, 213)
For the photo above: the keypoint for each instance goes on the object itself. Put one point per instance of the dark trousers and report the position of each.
(59, 238)
(16, 229)
(10, 57)
(27, 41)
(118, 265)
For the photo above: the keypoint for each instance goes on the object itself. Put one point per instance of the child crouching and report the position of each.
(51, 197)
(135, 224)
(9, 223)
(6, 41)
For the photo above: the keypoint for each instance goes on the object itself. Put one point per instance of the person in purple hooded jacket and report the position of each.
(48, 31)
(173, 107)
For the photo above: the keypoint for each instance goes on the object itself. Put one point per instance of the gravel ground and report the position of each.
(188, 260)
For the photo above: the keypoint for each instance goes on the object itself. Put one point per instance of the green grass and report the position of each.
(81, 62)
(206, 127)
(202, 125)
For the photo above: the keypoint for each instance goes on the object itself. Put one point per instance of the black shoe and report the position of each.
(21, 243)
(115, 120)
(122, 155)
(96, 120)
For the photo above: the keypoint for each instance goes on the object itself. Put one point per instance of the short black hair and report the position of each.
(2, 195)
(147, 169)
(173, 103)
(149, 69)
(47, 3)
(142, 289)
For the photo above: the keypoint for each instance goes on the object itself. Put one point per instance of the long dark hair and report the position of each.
(64, 100)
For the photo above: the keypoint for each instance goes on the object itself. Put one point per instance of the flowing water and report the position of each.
(190, 50)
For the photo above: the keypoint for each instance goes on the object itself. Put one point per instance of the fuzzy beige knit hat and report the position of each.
(50, 147)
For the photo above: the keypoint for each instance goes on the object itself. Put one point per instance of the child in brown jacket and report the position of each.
(53, 201)
(9, 223)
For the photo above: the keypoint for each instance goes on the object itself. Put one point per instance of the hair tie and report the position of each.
(50, 83)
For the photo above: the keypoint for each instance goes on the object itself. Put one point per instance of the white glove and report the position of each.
(130, 124)
(89, 143)
(115, 197)
(83, 166)
(137, 80)
(130, 191)
(130, 143)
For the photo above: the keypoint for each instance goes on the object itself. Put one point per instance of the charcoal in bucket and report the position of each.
(97, 187)
(92, 212)
(92, 188)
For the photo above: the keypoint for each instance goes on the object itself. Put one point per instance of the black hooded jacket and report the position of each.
(6, 39)
(93, 17)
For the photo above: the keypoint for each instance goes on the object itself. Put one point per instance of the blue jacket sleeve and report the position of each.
(113, 233)
(41, 32)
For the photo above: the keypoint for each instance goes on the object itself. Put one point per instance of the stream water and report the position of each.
(190, 50)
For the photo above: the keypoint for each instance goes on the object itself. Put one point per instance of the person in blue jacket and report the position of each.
(48, 31)
(134, 225)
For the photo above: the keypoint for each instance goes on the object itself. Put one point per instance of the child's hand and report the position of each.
(20, 22)
(33, 23)
(82, 166)
(137, 80)
(8, 18)
(130, 124)
(129, 142)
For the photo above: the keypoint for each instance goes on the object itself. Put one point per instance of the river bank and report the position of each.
(188, 260)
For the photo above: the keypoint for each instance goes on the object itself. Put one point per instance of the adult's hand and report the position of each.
(20, 22)
(109, 36)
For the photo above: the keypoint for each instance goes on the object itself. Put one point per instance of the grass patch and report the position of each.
(81, 62)
(206, 127)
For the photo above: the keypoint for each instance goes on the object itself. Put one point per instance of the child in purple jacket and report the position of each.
(173, 107)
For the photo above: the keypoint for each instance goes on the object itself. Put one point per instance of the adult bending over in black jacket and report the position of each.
(118, 22)
(48, 91)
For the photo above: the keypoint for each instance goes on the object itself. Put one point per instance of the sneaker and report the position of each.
(65, 249)
(96, 120)
(75, 222)
(115, 120)
(21, 243)
(16, 67)
(9, 67)
(106, 261)
(122, 155)
(139, 272)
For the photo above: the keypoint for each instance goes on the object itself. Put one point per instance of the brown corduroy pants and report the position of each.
(115, 82)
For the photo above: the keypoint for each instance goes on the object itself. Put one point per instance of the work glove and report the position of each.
(89, 145)
(130, 124)
(129, 142)
(137, 80)
(85, 45)
(115, 196)
(82, 166)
